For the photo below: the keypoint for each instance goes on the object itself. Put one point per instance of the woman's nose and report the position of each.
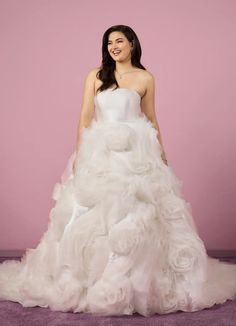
(115, 47)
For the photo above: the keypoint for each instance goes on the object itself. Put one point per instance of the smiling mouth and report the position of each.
(116, 52)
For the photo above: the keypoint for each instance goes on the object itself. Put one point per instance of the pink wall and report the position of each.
(47, 47)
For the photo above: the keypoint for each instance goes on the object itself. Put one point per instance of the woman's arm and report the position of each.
(148, 108)
(87, 108)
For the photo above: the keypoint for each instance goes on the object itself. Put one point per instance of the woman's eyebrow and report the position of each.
(119, 38)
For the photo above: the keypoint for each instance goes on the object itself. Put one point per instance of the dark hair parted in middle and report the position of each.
(107, 69)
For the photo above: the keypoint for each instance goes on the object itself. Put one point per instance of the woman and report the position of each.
(121, 67)
(121, 237)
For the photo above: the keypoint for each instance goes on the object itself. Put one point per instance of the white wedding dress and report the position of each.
(121, 237)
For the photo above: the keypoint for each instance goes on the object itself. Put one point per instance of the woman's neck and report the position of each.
(123, 66)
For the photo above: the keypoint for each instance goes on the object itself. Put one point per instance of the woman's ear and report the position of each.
(132, 45)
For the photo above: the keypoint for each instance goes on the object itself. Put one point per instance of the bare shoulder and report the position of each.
(147, 81)
(91, 79)
(92, 73)
(148, 76)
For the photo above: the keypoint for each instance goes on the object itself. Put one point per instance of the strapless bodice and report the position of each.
(121, 104)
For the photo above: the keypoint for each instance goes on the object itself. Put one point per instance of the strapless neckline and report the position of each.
(121, 88)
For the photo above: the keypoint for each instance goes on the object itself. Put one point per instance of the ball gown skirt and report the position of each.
(121, 238)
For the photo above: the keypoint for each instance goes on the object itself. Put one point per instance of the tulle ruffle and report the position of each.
(121, 237)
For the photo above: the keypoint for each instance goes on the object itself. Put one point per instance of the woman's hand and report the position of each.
(163, 156)
(74, 166)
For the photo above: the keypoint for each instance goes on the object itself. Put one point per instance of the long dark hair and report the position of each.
(106, 73)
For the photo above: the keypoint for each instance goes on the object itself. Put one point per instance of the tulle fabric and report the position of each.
(121, 237)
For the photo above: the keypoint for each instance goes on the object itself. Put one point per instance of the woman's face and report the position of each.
(119, 46)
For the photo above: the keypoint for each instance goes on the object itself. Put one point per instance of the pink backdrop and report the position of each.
(47, 48)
